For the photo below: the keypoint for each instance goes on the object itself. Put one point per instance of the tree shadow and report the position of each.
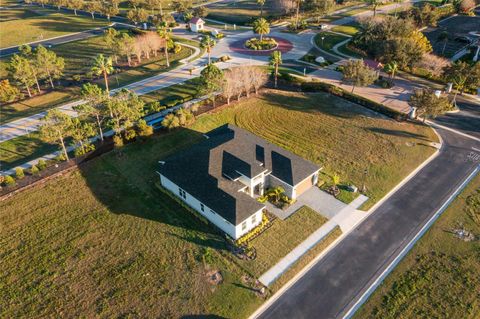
(125, 182)
(398, 133)
(209, 316)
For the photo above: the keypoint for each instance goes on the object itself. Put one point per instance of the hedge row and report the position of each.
(337, 91)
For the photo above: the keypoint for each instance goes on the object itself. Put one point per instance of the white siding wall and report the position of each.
(274, 182)
(258, 219)
(216, 219)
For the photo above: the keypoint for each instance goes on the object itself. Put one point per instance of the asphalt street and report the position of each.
(332, 286)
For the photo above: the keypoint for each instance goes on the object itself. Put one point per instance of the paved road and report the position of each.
(333, 285)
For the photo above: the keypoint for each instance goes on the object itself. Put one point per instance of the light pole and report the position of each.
(323, 38)
(364, 187)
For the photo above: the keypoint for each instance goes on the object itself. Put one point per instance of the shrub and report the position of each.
(130, 134)
(42, 164)
(144, 129)
(265, 44)
(254, 232)
(9, 181)
(177, 48)
(19, 174)
(34, 170)
(117, 141)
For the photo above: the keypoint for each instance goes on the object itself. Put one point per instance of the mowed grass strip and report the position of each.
(102, 241)
(439, 278)
(44, 25)
(283, 236)
(241, 12)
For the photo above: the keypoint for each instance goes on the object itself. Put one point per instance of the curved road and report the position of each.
(333, 285)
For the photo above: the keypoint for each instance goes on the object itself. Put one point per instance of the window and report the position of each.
(211, 211)
(202, 207)
(182, 193)
(254, 219)
(244, 225)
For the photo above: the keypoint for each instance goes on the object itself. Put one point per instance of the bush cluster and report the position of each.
(265, 44)
(254, 232)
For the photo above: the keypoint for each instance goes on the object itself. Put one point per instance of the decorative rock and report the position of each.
(320, 59)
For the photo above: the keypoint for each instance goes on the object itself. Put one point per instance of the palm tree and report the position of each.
(103, 65)
(208, 43)
(261, 3)
(275, 61)
(391, 68)
(443, 36)
(335, 181)
(164, 32)
(260, 26)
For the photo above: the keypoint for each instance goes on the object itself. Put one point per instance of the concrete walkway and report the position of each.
(340, 214)
(318, 200)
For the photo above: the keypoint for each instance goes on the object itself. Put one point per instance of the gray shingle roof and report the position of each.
(206, 170)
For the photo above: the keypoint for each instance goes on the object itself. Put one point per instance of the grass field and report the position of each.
(439, 278)
(78, 57)
(346, 29)
(103, 241)
(241, 11)
(23, 149)
(38, 24)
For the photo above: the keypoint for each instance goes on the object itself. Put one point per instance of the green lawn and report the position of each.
(103, 241)
(23, 149)
(78, 57)
(346, 29)
(16, 14)
(36, 104)
(439, 278)
(284, 235)
(329, 40)
(43, 24)
(241, 11)
(182, 91)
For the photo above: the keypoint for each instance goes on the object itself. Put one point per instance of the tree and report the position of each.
(465, 6)
(462, 75)
(297, 11)
(144, 129)
(335, 181)
(208, 43)
(428, 104)
(164, 32)
(170, 122)
(42, 2)
(135, 3)
(433, 64)
(137, 15)
(109, 10)
(59, 3)
(181, 6)
(103, 66)
(126, 45)
(200, 11)
(211, 81)
(126, 108)
(276, 61)
(8, 92)
(27, 53)
(261, 26)
(56, 127)
(229, 85)
(92, 7)
(321, 7)
(21, 70)
(111, 39)
(81, 131)
(443, 37)
(258, 77)
(75, 5)
(358, 74)
(96, 105)
(391, 68)
(261, 3)
(19, 174)
(48, 64)
(374, 4)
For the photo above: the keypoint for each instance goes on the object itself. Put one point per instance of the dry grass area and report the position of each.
(103, 241)
(439, 278)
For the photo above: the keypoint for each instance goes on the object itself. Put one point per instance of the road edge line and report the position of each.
(371, 289)
(319, 257)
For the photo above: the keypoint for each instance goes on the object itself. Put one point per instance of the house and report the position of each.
(196, 24)
(221, 177)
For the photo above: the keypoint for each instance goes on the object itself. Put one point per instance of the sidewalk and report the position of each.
(346, 219)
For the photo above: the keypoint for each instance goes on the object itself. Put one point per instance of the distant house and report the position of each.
(221, 177)
(196, 24)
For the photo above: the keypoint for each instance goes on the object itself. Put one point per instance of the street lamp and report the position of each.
(323, 38)
(364, 187)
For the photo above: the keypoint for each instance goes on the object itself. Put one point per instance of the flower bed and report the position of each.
(264, 44)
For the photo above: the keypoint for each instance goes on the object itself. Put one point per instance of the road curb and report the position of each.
(320, 256)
